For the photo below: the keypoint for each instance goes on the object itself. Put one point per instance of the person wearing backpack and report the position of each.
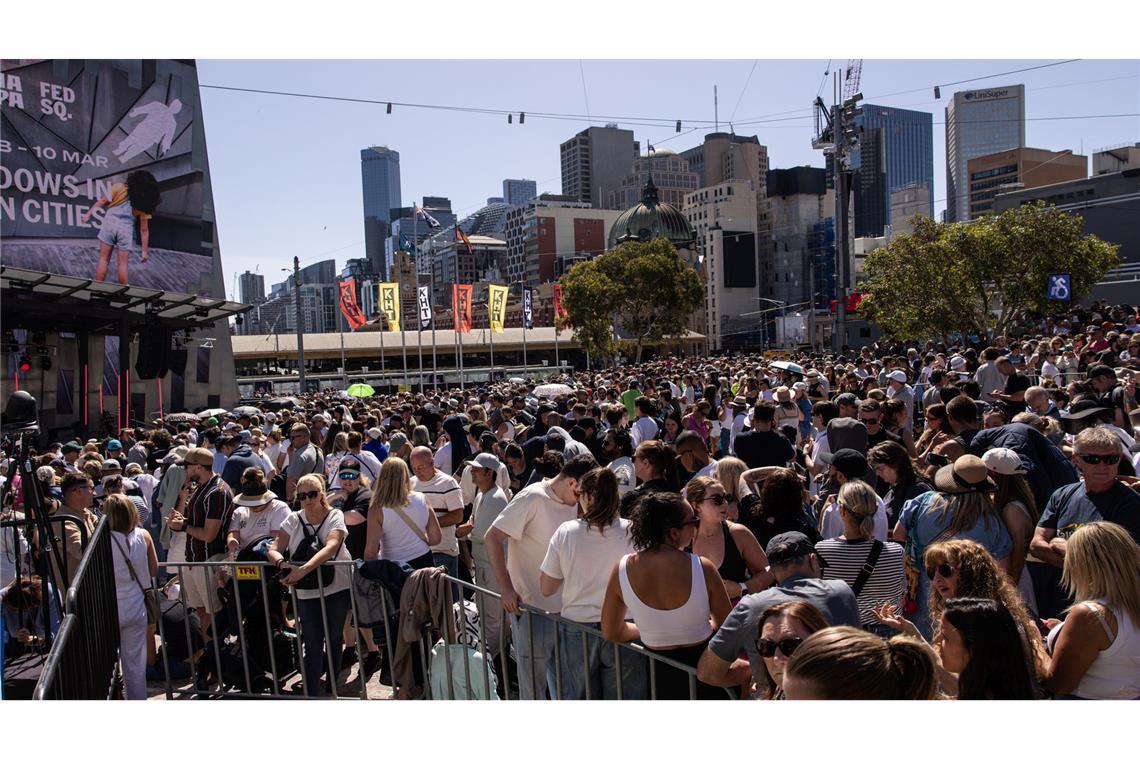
(313, 536)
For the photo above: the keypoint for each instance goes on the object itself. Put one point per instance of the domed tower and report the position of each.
(652, 219)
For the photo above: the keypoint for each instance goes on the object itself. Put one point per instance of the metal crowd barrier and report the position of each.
(222, 647)
(85, 654)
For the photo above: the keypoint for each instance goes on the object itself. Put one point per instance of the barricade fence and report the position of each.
(258, 642)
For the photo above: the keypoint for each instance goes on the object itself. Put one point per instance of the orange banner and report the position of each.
(348, 306)
(461, 306)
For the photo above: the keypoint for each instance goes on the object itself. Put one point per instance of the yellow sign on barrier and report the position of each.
(248, 572)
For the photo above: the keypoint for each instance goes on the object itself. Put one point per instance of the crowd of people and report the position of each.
(902, 521)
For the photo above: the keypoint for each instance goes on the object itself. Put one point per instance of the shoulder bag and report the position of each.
(868, 567)
(306, 550)
(150, 595)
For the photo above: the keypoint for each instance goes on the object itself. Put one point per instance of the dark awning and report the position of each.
(58, 302)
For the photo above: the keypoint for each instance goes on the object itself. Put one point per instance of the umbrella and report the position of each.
(180, 417)
(211, 413)
(549, 390)
(250, 410)
(360, 390)
(788, 367)
(276, 404)
(518, 381)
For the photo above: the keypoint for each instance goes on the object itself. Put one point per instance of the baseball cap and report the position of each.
(71, 447)
(199, 456)
(113, 464)
(487, 461)
(114, 445)
(789, 547)
(846, 399)
(212, 421)
(1003, 461)
(848, 461)
(374, 432)
(897, 375)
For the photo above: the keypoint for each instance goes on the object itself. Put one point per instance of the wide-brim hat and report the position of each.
(1086, 407)
(966, 474)
(254, 499)
(739, 401)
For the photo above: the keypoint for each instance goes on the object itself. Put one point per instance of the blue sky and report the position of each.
(286, 170)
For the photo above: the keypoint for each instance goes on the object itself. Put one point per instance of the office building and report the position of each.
(516, 192)
(595, 161)
(671, 176)
(799, 200)
(896, 150)
(1109, 204)
(907, 204)
(405, 226)
(550, 233)
(1117, 158)
(979, 123)
(380, 180)
(251, 287)
(1017, 169)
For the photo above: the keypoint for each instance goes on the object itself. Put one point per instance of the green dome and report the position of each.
(652, 219)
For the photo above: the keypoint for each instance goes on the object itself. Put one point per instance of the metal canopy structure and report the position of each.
(59, 302)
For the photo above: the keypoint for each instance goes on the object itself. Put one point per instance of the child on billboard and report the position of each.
(137, 197)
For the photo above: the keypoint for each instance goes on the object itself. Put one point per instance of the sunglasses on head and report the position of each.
(302, 495)
(767, 647)
(945, 570)
(1099, 458)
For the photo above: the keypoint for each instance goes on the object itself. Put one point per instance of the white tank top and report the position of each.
(688, 624)
(397, 541)
(134, 545)
(1115, 673)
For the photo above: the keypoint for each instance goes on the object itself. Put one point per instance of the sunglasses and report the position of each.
(348, 476)
(767, 647)
(1099, 458)
(719, 499)
(869, 420)
(694, 521)
(302, 495)
(944, 570)
(938, 460)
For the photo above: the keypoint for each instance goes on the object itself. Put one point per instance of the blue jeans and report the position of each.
(536, 676)
(596, 666)
(451, 565)
(313, 637)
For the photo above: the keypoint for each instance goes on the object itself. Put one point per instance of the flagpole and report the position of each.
(431, 305)
(491, 333)
(419, 337)
(523, 293)
(403, 339)
(382, 330)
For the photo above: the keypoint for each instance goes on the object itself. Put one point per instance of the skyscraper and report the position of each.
(252, 287)
(979, 123)
(380, 179)
(595, 161)
(518, 191)
(896, 151)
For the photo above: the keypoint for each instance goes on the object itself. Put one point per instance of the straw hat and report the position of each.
(966, 474)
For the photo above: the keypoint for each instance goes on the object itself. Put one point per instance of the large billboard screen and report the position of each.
(101, 175)
(739, 260)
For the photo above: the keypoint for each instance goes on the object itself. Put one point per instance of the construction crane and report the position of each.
(851, 78)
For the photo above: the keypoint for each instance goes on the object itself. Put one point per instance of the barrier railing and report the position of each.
(83, 659)
(251, 655)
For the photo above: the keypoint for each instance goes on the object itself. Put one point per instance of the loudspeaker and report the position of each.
(176, 362)
(154, 352)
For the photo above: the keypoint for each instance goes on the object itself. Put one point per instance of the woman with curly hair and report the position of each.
(962, 568)
(670, 595)
(137, 198)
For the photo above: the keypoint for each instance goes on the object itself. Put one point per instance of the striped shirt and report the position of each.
(887, 581)
(443, 496)
(213, 500)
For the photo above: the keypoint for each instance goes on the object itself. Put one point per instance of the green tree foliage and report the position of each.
(981, 276)
(646, 289)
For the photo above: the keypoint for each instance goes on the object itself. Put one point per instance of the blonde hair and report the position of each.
(860, 500)
(847, 663)
(122, 515)
(1102, 562)
(313, 479)
(728, 472)
(392, 486)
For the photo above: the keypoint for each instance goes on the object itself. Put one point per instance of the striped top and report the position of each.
(887, 582)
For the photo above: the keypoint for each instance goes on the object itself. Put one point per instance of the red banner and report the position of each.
(348, 306)
(461, 307)
(559, 310)
(853, 301)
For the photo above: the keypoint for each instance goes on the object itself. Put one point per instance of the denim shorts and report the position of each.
(117, 232)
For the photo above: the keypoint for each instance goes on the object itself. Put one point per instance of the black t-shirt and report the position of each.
(1016, 382)
(764, 448)
(357, 534)
(1072, 506)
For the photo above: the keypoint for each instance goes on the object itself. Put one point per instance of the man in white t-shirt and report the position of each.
(441, 492)
(516, 545)
(643, 427)
(490, 500)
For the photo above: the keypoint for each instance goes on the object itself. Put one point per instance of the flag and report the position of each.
(461, 235)
(405, 246)
(425, 307)
(461, 307)
(348, 306)
(390, 303)
(424, 216)
(559, 309)
(497, 306)
(528, 309)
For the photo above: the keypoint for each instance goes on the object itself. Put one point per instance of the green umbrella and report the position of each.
(360, 390)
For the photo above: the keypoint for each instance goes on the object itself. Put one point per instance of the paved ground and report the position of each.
(348, 687)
